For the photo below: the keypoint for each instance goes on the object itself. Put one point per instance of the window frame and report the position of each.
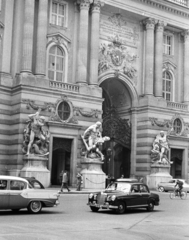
(164, 80)
(60, 2)
(166, 45)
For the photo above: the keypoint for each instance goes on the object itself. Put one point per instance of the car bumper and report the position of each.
(56, 203)
(103, 206)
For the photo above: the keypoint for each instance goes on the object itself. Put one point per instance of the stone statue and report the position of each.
(159, 153)
(93, 139)
(36, 135)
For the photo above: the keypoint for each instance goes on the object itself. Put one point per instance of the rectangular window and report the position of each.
(58, 13)
(168, 44)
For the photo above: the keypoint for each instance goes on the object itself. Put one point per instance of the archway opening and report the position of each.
(116, 124)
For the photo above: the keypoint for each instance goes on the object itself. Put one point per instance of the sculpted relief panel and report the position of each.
(118, 46)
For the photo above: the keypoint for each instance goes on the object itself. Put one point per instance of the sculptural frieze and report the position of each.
(94, 113)
(159, 153)
(93, 140)
(36, 135)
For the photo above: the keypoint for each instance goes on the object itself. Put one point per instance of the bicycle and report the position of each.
(174, 194)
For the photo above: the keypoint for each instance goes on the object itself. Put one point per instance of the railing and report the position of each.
(64, 86)
(180, 2)
(181, 106)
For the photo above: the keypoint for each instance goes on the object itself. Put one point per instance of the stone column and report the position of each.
(28, 36)
(149, 57)
(40, 66)
(186, 67)
(159, 58)
(94, 47)
(83, 40)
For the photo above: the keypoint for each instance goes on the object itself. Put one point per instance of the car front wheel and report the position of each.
(35, 207)
(94, 209)
(150, 206)
(121, 208)
(161, 189)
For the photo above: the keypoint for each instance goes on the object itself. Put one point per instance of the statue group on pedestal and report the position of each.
(36, 136)
(93, 141)
(159, 153)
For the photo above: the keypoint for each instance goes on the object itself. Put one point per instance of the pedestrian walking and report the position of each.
(79, 181)
(65, 182)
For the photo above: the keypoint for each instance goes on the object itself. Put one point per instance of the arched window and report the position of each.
(56, 64)
(177, 125)
(167, 85)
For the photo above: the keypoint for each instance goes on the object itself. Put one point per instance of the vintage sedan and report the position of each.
(121, 195)
(169, 185)
(17, 193)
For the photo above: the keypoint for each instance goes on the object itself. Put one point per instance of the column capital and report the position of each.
(96, 5)
(160, 25)
(84, 4)
(149, 23)
(185, 34)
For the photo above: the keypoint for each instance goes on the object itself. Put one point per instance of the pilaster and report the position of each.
(41, 38)
(84, 6)
(94, 47)
(28, 36)
(158, 58)
(149, 57)
(186, 66)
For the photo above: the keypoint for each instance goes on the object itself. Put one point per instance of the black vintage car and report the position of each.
(122, 195)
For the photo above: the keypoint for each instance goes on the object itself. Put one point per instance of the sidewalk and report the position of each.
(73, 190)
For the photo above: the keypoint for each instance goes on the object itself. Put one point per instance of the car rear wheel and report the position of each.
(94, 209)
(150, 207)
(161, 189)
(35, 207)
(121, 207)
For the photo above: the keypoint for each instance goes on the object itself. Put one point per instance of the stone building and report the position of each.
(122, 62)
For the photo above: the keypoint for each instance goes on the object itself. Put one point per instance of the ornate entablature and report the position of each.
(168, 7)
(175, 127)
(59, 39)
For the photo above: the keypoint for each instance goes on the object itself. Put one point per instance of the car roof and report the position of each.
(5, 177)
(128, 180)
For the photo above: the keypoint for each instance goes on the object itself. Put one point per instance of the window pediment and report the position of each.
(169, 66)
(59, 39)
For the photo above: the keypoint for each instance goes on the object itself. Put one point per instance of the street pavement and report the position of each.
(73, 220)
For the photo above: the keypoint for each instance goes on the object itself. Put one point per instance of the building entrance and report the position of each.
(177, 159)
(60, 158)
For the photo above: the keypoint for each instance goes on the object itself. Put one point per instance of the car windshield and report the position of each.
(119, 186)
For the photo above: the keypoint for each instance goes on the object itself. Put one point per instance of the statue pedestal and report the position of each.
(159, 173)
(93, 176)
(35, 166)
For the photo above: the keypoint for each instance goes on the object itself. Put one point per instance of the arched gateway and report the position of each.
(120, 100)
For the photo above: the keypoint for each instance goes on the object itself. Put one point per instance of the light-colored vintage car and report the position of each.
(17, 193)
(169, 186)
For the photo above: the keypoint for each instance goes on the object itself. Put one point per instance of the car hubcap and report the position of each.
(36, 206)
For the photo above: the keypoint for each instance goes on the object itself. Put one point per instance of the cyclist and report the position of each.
(178, 186)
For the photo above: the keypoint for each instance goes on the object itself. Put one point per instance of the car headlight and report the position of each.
(113, 197)
(90, 195)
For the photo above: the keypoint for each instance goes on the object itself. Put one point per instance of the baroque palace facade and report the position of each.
(122, 62)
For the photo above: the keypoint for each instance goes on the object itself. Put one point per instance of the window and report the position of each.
(56, 63)
(17, 185)
(168, 44)
(177, 125)
(167, 85)
(64, 110)
(58, 13)
(3, 184)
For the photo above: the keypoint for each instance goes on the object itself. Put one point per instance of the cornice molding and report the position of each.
(168, 7)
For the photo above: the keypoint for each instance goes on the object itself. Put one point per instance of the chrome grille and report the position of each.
(101, 199)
